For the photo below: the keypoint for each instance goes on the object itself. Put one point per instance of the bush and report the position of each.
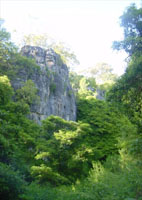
(11, 183)
(6, 90)
(103, 184)
(36, 192)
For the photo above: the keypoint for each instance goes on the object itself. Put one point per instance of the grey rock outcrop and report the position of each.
(54, 89)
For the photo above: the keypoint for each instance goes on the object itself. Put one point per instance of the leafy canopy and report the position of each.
(44, 41)
(131, 21)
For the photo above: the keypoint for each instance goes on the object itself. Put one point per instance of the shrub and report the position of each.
(11, 183)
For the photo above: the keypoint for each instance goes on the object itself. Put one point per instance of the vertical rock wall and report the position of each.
(56, 95)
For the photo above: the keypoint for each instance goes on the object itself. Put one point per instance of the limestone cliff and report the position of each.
(56, 95)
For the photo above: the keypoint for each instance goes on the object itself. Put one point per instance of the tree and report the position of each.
(127, 90)
(105, 121)
(4, 35)
(55, 152)
(7, 52)
(102, 73)
(102, 78)
(75, 80)
(82, 85)
(6, 91)
(131, 21)
(86, 87)
(44, 41)
(11, 183)
(66, 150)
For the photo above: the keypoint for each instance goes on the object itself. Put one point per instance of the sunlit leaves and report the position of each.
(44, 173)
(6, 90)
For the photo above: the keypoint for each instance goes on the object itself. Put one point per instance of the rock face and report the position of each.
(56, 95)
(100, 94)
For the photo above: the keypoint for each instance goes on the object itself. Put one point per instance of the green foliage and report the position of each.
(103, 184)
(98, 157)
(99, 78)
(36, 40)
(75, 80)
(11, 183)
(54, 124)
(66, 55)
(27, 64)
(45, 174)
(7, 51)
(71, 147)
(132, 25)
(27, 93)
(82, 86)
(4, 36)
(11, 62)
(48, 72)
(17, 135)
(52, 87)
(56, 157)
(91, 83)
(102, 73)
(38, 192)
(115, 179)
(127, 91)
(70, 92)
(6, 90)
(107, 124)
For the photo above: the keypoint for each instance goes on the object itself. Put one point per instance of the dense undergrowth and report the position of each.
(99, 157)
